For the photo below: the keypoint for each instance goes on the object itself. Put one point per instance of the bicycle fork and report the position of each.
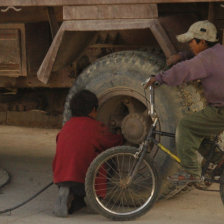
(139, 155)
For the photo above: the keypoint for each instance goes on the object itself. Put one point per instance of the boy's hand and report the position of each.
(151, 81)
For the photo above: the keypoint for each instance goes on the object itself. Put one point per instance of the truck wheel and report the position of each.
(116, 80)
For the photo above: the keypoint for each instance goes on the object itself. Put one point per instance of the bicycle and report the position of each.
(122, 183)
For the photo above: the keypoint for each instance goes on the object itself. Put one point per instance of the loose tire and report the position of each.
(108, 190)
(119, 75)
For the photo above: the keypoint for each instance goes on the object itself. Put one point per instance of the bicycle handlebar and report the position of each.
(151, 96)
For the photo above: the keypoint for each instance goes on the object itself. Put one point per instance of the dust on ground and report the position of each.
(27, 154)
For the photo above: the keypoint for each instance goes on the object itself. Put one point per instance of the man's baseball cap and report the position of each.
(202, 30)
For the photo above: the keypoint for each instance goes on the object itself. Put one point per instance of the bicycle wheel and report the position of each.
(108, 190)
(221, 190)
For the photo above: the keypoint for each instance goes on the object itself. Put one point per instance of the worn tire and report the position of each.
(129, 210)
(126, 70)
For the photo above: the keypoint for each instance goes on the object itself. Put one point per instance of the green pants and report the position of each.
(191, 131)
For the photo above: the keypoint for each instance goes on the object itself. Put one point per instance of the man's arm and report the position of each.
(182, 72)
(180, 56)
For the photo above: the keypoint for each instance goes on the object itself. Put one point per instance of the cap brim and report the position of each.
(186, 37)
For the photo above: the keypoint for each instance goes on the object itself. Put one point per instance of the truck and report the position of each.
(51, 49)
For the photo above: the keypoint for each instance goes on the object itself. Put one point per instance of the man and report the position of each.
(81, 139)
(208, 66)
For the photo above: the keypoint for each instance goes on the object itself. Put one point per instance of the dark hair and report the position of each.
(82, 103)
(209, 43)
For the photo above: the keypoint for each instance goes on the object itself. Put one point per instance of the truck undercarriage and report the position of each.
(52, 49)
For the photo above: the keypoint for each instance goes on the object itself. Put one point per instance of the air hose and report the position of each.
(25, 202)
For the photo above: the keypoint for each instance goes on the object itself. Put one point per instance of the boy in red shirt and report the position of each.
(81, 139)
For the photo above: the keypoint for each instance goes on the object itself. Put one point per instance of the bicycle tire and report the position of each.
(116, 199)
(221, 189)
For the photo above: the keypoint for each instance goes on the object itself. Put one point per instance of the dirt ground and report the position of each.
(27, 154)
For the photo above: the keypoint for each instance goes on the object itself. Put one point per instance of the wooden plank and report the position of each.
(12, 54)
(90, 2)
(9, 34)
(137, 11)
(52, 21)
(29, 15)
(162, 38)
(45, 69)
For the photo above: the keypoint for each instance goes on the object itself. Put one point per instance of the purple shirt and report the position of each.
(207, 66)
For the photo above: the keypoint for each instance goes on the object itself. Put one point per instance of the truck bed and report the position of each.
(90, 2)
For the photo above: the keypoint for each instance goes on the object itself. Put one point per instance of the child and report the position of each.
(81, 139)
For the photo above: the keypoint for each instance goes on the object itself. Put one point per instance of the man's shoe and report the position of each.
(184, 177)
(61, 205)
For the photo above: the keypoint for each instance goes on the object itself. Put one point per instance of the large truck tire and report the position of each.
(116, 80)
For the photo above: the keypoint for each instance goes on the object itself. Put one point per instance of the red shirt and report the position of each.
(78, 143)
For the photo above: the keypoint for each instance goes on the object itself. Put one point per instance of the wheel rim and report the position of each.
(125, 109)
(111, 188)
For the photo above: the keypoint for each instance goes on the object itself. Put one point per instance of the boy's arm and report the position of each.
(106, 139)
(185, 71)
(180, 56)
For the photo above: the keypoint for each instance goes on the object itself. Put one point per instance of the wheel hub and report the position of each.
(123, 183)
(134, 128)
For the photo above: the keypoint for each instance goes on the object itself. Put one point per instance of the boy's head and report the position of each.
(202, 30)
(84, 103)
(200, 36)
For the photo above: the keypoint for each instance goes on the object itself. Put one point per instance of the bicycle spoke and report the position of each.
(106, 171)
(112, 168)
(137, 181)
(103, 176)
(122, 165)
(121, 200)
(111, 196)
(131, 197)
(118, 196)
(118, 166)
(103, 189)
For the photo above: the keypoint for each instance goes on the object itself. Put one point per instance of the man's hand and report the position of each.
(173, 59)
(151, 81)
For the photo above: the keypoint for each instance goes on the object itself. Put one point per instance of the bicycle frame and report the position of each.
(143, 148)
(161, 133)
